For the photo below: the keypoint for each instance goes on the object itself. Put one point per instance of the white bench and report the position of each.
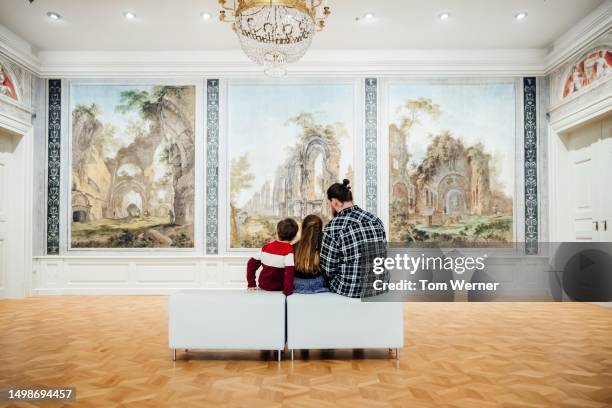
(331, 321)
(239, 319)
(226, 320)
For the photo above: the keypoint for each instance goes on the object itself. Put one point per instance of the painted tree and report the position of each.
(444, 149)
(312, 128)
(410, 113)
(412, 110)
(241, 179)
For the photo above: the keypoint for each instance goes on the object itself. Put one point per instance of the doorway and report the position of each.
(587, 213)
(15, 213)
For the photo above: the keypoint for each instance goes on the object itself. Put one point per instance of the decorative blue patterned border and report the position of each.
(531, 166)
(212, 166)
(371, 144)
(53, 166)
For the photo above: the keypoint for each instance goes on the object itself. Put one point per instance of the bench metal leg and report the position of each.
(397, 353)
(279, 355)
(292, 354)
(173, 354)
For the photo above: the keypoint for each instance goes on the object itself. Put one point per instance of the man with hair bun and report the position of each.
(345, 238)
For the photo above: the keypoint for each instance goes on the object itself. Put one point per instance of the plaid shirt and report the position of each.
(344, 238)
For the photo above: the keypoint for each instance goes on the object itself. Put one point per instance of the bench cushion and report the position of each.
(329, 320)
(227, 319)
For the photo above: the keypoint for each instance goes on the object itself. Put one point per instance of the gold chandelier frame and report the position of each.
(308, 7)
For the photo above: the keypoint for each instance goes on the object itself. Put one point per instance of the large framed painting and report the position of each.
(451, 158)
(286, 143)
(132, 165)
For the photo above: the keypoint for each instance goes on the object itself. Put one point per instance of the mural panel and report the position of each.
(286, 144)
(133, 157)
(451, 163)
(7, 87)
(593, 67)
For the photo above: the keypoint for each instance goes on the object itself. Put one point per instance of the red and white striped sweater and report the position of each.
(276, 260)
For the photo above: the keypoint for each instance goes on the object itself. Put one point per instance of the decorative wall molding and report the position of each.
(543, 101)
(587, 30)
(582, 107)
(18, 50)
(371, 144)
(531, 164)
(585, 104)
(24, 81)
(233, 63)
(55, 275)
(212, 166)
(54, 165)
(559, 76)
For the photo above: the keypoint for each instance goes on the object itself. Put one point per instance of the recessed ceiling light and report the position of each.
(444, 16)
(369, 16)
(521, 16)
(129, 15)
(206, 16)
(54, 16)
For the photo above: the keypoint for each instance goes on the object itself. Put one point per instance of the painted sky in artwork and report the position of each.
(257, 116)
(483, 113)
(108, 97)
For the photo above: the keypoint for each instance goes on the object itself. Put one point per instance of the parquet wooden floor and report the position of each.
(113, 349)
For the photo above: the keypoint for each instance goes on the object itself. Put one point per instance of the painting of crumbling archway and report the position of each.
(132, 158)
(286, 144)
(451, 162)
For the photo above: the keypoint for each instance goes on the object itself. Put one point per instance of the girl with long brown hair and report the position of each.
(308, 277)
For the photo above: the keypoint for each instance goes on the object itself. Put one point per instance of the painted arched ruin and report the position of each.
(150, 178)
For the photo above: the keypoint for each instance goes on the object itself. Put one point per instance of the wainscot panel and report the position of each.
(53, 275)
(164, 274)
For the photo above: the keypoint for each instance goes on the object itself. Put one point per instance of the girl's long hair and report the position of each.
(309, 246)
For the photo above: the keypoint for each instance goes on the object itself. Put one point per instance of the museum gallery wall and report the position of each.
(444, 151)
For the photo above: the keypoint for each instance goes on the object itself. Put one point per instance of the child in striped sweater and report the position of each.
(276, 260)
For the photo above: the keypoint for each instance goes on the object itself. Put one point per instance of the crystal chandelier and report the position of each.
(274, 33)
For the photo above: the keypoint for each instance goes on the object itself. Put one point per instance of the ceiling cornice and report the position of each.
(18, 50)
(316, 62)
(573, 42)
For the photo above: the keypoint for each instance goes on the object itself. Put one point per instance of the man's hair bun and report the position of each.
(341, 192)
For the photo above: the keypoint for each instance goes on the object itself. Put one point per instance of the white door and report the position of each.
(606, 181)
(582, 194)
(7, 149)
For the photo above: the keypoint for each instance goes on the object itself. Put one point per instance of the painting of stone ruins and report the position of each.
(287, 144)
(132, 166)
(451, 163)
